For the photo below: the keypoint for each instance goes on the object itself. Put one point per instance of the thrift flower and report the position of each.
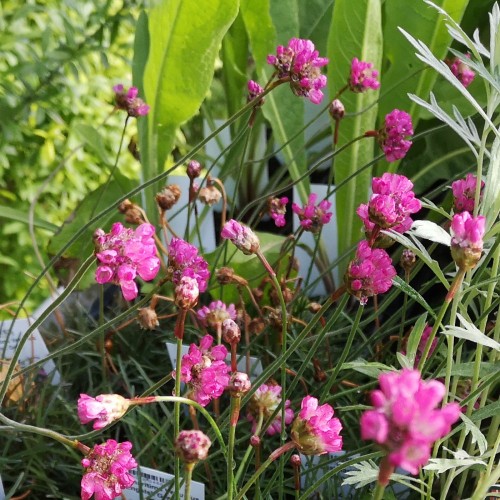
(369, 273)
(300, 63)
(124, 254)
(407, 418)
(104, 409)
(183, 260)
(254, 89)
(216, 313)
(239, 384)
(193, 169)
(204, 369)
(336, 109)
(467, 234)
(192, 446)
(392, 136)
(129, 102)
(106, 470)
(362, 76)
(187, 293)
(277, 209)
(463, 73)
(312, 217)
(231, 332)
(265, 400)
(464, 192)
(242, 237)
(315, 431)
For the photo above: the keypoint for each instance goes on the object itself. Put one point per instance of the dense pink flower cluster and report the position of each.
(464, 192)
(277, 210)
(129, 102)
(312, 217)
(362, 76)
(204, 369)
(124, 253)
(370, 273)
(106, 470)
(315, 431)
(104, 409)
(390, 205)
(463, 73)
(192, 446)
(183, 260)
(216, 313)
(242, 237)
(392, 136)
(300, 62)
(467, 234)
(264, 401)
(406, 420)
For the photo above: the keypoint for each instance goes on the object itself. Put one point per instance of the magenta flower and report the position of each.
(129, 102)
(370, 273)
(362, 76)
(390, 205)
(277, 209)
(300, 64)
(463, 73)
(204, 369)
(124, 254)
(467, 234)
(193, 169)
(406, 420)
(312, 217)
(464, 192)
(216, 313)
(392, 136)
(192, 446)
(183, 260)
(315, 431)
(264, 401)
(254, 89)
(104, 409)
(242, 237)
(106, 470)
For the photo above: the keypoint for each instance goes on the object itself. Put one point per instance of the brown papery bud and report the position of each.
(209, 195)
(147, 318)
(227, 276)
(133, 213)
(168, 196)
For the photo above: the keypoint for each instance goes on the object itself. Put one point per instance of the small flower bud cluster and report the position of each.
(254, 90)
(362, 76)
(192, 446)
(129, 102)
(460, 69)
(464, 193)
(467, 234)
(242, 237)
(215, 314)
(276, 208)
(313, 217)
(392, 136)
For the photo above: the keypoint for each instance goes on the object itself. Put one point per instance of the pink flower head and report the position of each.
(390, 205)
(392, 136)
(463, 73)
(265, 400)
(187, 293)
(254, 90)
(406, 420)
(370, 273)
(315, 431)
(106, 470)
(277, 210)
(129, 102)
(124, 254)
(183, 260)
(192, 446)
(215, 314)
(300, 63)
(312, 217)
(467, 234)
(204, 369)
(104, 409)
(362, 76)
(242, 237)
(464, 192)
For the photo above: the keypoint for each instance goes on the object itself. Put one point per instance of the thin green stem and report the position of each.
(189, 474)
(235, 411)
(177, 418)
(258, 428)
(378, 494)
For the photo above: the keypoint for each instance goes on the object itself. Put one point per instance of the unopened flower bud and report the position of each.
(209, 195)
(104, 409)
(408, 260)
(255, 441)
(241, 236)
(193, 169)
(192, 446)
(314, 307)
(295, 460)
(168, 196)
(231, 332)
(147, 318)
(239, 384)
(133, 213)
(187, 293)
(467, 239)
(336, 109)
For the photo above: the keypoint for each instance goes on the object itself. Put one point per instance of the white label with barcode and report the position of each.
(152, 484)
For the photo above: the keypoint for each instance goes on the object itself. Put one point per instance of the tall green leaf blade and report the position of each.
(356, 31)
(282, 109)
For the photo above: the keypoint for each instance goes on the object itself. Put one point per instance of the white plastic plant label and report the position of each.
(2, 491)
(156, 485)
(33, 350)
(255, 363)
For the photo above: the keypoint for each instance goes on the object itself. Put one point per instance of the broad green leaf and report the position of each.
(476, 435)
(487, 411)
(371, 369)
(356, 31)
(315, 18)
(283, 110)
(20, 216)
(92, 140)
(405, 72)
